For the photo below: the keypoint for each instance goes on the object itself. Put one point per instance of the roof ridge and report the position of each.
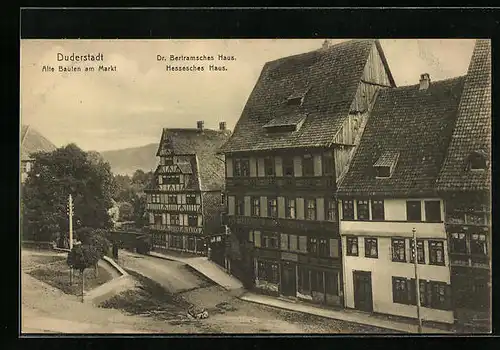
(25, 133)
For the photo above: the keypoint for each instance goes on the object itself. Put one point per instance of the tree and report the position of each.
(139, 212)
(126, 211)
(55, 175)
(81, 257)
(95, 238)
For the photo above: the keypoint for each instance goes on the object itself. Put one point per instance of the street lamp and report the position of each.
(417, 283)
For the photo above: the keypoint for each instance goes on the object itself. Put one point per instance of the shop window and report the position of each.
(304, 284)
(268, 271)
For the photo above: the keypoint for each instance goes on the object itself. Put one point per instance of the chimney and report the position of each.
(199, 125)
(222, 126)
(425, 81)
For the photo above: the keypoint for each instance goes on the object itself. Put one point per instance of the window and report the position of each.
(290, 211)
(272, 207)
(311, 209)
(371, 248)
(352, 246)
(240, 206)
(420, 251)
(193, 220)
(155, 198)
(436, 252)
(175, 220)
(458, 243)
(363, 213)
(169, 161)
(190, 243)
(328, 165)
(268, 271)
(241, 167)
(323, 248)
(413, 211)
(294, 101)
(383, 171)
(304, 282)
(332, 283)
(432, 211)
(312, 245)
(308, 165)
(439, 299)
(255, 206)
(331, 209)
(269, 166)
(288, 167)
(347, 210)
(270, 240)
(172, 179)
(477, 161)
(317, 281)
(398, 250)
(378, 209)
(190, 198)
(400, 290)
(478, 244)
(293, 243)
(172, 199)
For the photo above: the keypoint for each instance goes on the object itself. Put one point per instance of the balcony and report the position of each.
(280, 223)
(281, 183)
(176, 229)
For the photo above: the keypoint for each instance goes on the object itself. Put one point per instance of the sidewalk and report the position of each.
(207, 268)
(54, 325)
(344, 315)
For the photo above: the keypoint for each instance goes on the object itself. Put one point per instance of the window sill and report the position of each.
(371, 257)
(437, 264)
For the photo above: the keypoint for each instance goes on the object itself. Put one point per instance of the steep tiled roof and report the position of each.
(204, 144)
(329, 76)
(473, 128)
(417, 125)
(32, 141)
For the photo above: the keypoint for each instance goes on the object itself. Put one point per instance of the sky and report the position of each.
(128, 107)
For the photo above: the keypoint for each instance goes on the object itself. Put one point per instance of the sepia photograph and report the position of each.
(256, 186)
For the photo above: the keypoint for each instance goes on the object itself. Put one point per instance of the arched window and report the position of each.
(477, 161)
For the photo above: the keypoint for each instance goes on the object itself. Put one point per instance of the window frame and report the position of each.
(427, 211)
(255, 209)
(323, 247)
(395, 245)
(177, 221)
(331, 211)
(239, 204)
(383, 172)
(368, 243)
(168, 161)
(327, 164)
(190, 197)
(433, 252)
(376, 206)
(349, 204)
(408, 210)
(453, 239)
(402, 297)
(268, 166)
(420, 244)
(312, 245)
(365, 204)
(268, 236)
(288, 208)
(272, 207)
(288, 163)
(352, 241)
(192, 219)
(311, 209)
(473, 243)
(307, 165)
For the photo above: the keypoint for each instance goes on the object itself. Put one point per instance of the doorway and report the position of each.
(363, 290)
(288, 280)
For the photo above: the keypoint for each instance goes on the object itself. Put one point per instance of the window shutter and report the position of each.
(253, 167)
(299, 202)
(230, 205)
(284, 241)
(263, 206)
(278, 165)
(281, 207)
(160, 180)
(317, 165)
(247, 207)
(151, 218)
(229, 167)
(320, 208)
(260, 167)
(197, 198)
(334, 248)
(297, 166)
(256, 236)
(250, 236)
(164, 219)
(293, 242)
(303, 244)
(200, 221)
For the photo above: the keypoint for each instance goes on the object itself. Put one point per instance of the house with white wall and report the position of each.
(389, 191)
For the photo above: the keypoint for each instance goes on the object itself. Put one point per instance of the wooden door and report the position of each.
(288, 280)
(363, 290)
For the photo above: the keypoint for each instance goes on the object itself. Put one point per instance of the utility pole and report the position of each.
(417, 283)
(70, 216)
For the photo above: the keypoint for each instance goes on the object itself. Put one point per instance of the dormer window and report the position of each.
(477, 161)
(385, 165)
(285, 123)
(297, 98)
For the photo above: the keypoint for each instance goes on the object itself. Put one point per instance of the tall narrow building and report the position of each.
(465, 183)
(390, 191)
(185, 203)
(292, 144)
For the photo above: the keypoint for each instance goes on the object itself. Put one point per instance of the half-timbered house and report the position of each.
(291, 145)
(185, 202)
(465, 183)
(389, 191)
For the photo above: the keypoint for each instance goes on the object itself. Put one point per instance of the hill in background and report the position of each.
(127, 161)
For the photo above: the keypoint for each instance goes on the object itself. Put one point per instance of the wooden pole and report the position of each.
(70, 214)
(417, 283)
(83, 285)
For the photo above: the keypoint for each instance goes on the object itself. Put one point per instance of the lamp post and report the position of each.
(417, 283)
(70, 216)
